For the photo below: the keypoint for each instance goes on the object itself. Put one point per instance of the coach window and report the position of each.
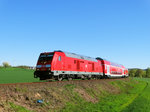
(59, 58)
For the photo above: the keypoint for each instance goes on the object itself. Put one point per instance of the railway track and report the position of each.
(58, 82)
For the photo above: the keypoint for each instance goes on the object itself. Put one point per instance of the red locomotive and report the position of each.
(61, 65)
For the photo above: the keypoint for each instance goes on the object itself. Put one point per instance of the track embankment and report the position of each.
(74, 95)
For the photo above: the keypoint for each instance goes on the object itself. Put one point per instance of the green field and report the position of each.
(16, 75)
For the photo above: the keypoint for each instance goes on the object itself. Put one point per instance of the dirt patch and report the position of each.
(110, 88)
(85, 95)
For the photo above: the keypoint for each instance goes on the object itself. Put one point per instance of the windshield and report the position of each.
(46, 57)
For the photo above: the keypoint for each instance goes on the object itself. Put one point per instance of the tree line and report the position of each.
(140, 73)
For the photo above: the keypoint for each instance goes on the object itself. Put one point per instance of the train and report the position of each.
(59, 65)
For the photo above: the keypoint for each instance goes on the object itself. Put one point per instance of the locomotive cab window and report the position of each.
(46, 57)
(59, 58)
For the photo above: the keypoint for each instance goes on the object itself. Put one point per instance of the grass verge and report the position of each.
(129, 91)
(142, 102)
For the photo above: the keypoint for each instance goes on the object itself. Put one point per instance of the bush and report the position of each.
(139, 73)
(132, 72)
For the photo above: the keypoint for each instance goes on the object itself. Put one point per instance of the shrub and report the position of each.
(132, 72)
(139, 73)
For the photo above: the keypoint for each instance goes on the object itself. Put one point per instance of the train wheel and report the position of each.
(83, 77)
(69, 78)
(89, 77)
(59, 78)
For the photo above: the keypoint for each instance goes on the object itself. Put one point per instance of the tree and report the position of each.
(132, 72)
(139, 73)
(148, 72)
(6, 64)
(144, 73)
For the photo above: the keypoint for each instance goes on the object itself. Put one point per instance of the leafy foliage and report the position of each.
(140, 73)
(132, 72)
(6, 64)
(148, 72)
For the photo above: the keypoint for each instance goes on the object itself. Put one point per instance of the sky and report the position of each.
(117, 30)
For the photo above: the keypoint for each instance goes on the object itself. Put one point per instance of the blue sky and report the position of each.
(118, 30)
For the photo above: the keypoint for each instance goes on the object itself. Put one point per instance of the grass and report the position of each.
(18, 108)
(142, 102)
(113, 103)
(16, 75)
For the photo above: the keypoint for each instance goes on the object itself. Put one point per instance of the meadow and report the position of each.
(16, 75)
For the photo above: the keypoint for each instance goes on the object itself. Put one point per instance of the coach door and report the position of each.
(123, 71)
(108, 69)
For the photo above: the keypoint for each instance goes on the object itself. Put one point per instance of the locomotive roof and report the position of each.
(73, 55)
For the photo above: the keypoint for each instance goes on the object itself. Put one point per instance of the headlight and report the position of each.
(38, 66)
(47, 66)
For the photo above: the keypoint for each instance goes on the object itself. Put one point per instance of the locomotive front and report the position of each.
(43, 68)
